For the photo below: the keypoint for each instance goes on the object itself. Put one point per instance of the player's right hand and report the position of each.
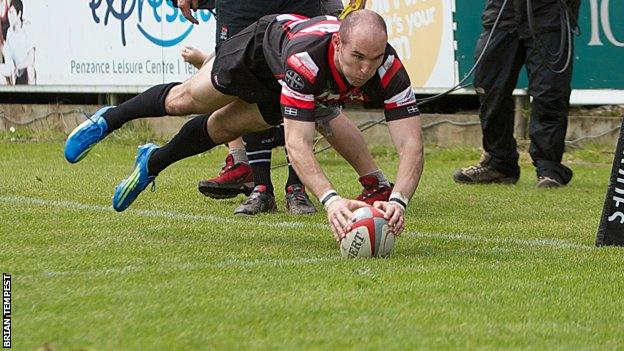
(394, 213)
(185, 6)
(339, 214)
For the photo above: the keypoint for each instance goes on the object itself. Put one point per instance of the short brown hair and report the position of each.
(361, 17)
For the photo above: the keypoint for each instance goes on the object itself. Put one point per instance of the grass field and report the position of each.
(479, 267)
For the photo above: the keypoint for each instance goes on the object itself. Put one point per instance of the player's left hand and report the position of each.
(394, 213)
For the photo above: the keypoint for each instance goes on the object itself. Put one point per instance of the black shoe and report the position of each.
(547, 182)
(259, 201)
(297, 201)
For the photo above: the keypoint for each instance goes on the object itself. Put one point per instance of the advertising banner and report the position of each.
(421, 31)
(71, 45)
(598, 49)
(98, 42)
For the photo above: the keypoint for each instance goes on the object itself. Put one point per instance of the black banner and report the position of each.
(611, 229)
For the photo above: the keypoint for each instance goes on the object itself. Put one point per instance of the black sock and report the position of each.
(150, 103)
(262, 174)
(258, 147)
(293, 178)
(191, 140)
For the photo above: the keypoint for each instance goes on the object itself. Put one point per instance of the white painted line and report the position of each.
(229, 263)
(548, 243)
(20, 200)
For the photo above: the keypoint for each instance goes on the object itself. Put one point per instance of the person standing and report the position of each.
(536, 34)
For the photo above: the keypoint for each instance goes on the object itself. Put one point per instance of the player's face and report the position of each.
(360, 57)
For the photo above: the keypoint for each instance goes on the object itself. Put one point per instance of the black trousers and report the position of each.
(235, 15)
(496, 78)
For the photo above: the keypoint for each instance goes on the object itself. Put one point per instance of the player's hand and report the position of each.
(185, 6)
(394, 213)
(339, 214)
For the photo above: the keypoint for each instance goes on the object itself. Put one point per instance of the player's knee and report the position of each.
(177, 101)
(219, 129)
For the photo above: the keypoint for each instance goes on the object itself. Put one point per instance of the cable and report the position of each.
(31, 121)
(485, 47)
(573, 142)
(371, 123)
(566, 30)
(362, 127)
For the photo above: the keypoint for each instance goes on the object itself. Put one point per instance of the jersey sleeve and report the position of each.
(298, 87)
(399, 99)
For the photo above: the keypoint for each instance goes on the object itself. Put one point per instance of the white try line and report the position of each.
(72, 205)
(229, 263)
(546, 243)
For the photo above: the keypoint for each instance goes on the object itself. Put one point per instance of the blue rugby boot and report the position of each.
(88, 133)
(130, 188)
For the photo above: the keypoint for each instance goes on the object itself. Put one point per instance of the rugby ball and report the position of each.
(370, 235)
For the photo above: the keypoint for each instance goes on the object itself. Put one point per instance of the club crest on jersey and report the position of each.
(293, 80)
(303, 64)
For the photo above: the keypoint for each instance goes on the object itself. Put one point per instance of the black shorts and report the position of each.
(240, 69)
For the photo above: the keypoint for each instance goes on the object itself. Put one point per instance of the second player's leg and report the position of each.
(199, 134)
(348, 141)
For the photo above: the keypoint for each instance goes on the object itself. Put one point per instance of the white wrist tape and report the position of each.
(329, 196)
(330, 200)
(399, 199)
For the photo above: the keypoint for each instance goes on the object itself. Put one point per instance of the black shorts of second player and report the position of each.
(235, 15)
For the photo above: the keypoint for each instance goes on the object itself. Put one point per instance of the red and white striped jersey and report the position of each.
(299, 52)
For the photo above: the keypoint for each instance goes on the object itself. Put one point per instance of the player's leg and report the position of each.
(234, 178)
(295, 196)
(196, 95)
(259, 148)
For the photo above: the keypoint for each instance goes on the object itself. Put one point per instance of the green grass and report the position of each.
(479, 267)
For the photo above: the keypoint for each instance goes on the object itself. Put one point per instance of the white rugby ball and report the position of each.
(370, 235)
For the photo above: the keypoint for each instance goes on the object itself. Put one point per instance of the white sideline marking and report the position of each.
(238, 263)
(235, 263)
(551, 243)
(20, 200)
